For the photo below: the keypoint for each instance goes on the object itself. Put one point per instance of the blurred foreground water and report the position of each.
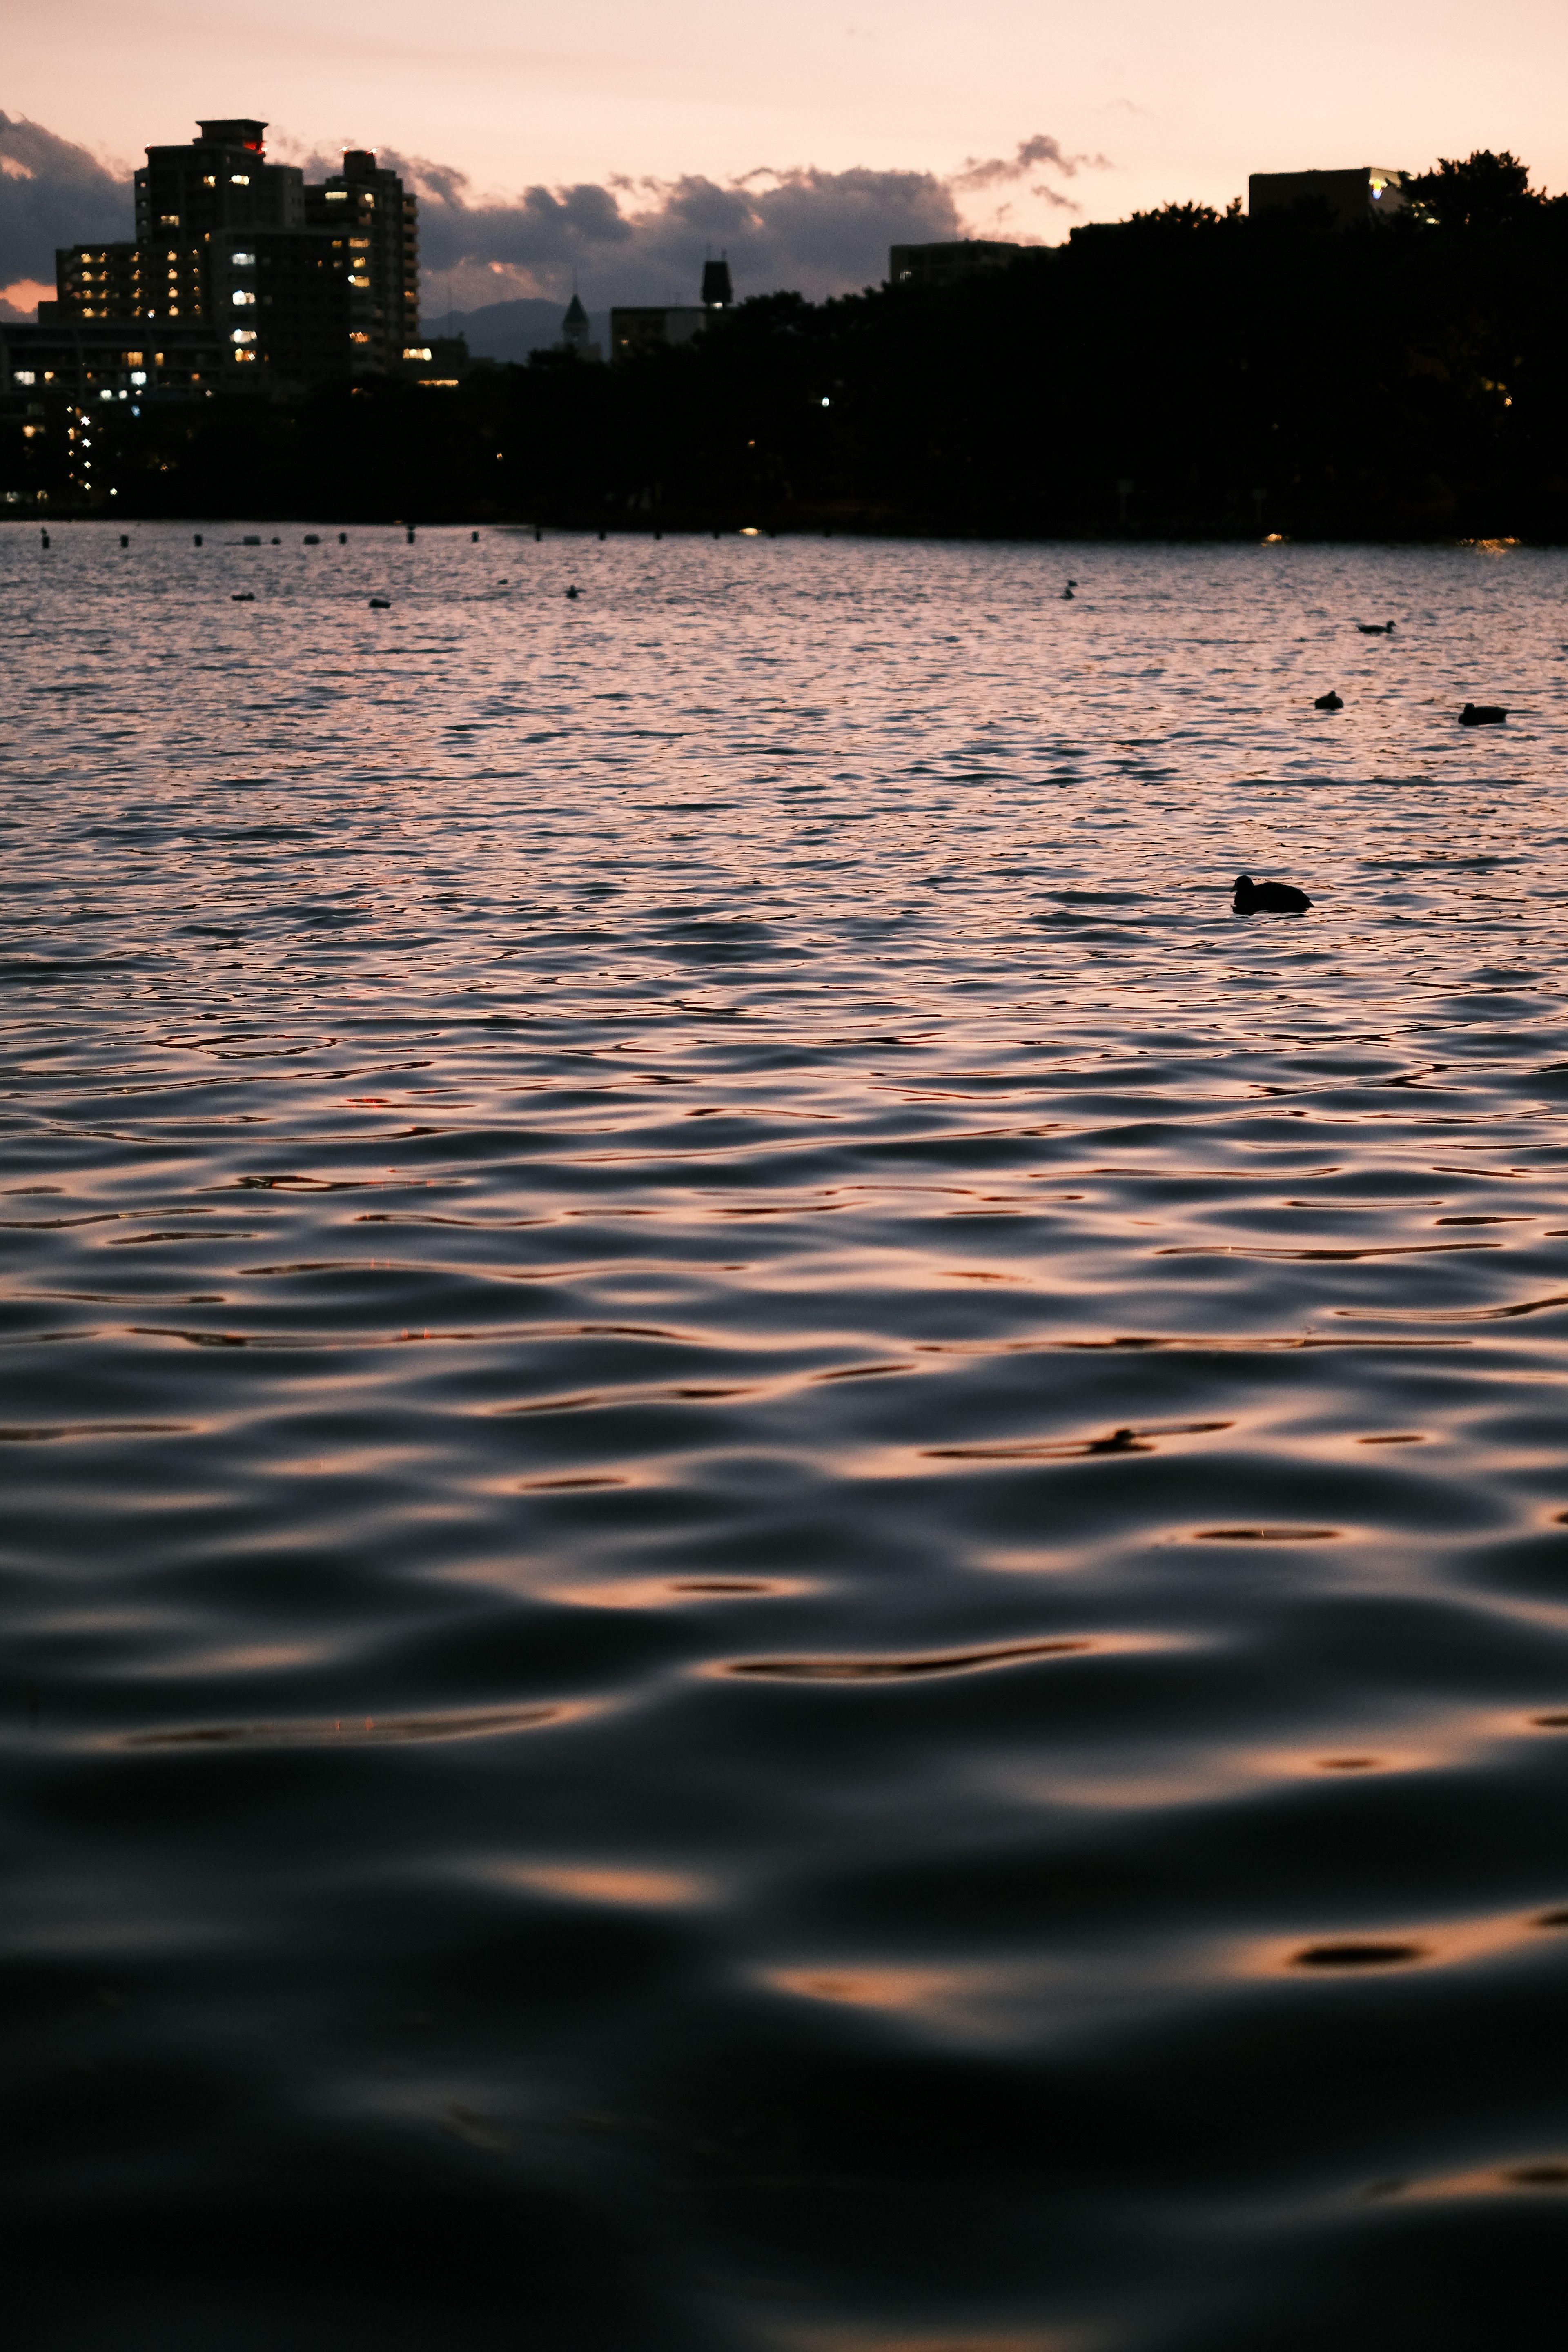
(873, 1657)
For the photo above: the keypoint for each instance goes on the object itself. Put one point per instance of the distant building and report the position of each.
(576, 336)
(299, 283)
(380, 226)
(944, 264)
(1368, 193)
(651, 328)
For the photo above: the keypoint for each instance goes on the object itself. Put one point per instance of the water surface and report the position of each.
(786, 1556)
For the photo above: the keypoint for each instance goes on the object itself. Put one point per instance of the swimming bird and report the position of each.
(573, 592)
(1268, 897)
(1375, 629)
(245, 597)
(381, 603)
(1482, 714)
(1067, 591)
(1329, 701)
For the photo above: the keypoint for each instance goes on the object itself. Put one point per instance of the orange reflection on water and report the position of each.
(674, 1591)
(593, 1883)
(1376, 1951)
(915, 1991)
(1534, 2173)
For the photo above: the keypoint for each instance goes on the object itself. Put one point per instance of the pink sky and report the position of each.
(1185, 102)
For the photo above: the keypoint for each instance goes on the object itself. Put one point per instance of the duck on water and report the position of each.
(1268, 897)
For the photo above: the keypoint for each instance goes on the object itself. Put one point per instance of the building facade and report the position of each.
(297, 285)
(379, 225)
(944, 264)
(1368, 193)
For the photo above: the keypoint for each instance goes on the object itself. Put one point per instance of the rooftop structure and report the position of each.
(576, 334)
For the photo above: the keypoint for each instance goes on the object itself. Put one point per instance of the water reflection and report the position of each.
(873, 1654)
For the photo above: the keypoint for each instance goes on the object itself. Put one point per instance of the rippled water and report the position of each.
(873, 1656)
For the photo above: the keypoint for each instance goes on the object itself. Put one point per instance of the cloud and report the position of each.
(1041, 152)
(645, 240)
(52, 193)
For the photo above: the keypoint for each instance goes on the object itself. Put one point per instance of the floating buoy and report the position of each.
(311, 540)
(342, 538)
(45, 537)
(124, 539)
(243, 597)
(538, 534)
(197, 540)
(1482, 714)
(1268, 897)
(475, 537)
(381, 603)
(411, 534)
(1067, 591)
(1329, 701)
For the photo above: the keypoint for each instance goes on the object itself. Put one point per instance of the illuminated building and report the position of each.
(380, 229)
(297, 285)
(1368, 193)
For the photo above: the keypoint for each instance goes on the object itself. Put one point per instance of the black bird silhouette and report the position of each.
(1329, 701)
(1481, 714)
(1268, 897)
(573, 592)
(1375, 629)
(1067, 591)
(381, 603)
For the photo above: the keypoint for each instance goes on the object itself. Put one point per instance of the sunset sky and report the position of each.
(1134, 103)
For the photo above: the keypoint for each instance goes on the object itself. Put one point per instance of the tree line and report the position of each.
(1187, 371)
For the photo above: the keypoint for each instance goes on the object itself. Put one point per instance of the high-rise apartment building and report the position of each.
(299, 284)
(380, 224)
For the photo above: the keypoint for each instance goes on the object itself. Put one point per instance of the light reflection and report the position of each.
(579, 1882)
(914, 1992)
(675, 1592)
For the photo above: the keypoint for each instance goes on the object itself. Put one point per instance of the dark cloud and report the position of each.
(645, 240)
(53, 194)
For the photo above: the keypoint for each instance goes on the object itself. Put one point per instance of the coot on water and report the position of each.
(1481, 714)
(1329, 701)
(1268, 897)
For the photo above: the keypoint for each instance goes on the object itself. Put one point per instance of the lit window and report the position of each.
(421, 351)
(245, 355)
(106, 396)
(239, 179)
(209, 181)
(243, 298)
(242, 335)
(337, 196)
(170, 220)
(138, 375)
(24, 375)
(244, 260)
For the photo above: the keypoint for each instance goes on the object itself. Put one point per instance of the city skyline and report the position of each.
(806, 149)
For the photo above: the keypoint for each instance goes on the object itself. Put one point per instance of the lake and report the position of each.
(874, 1656)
